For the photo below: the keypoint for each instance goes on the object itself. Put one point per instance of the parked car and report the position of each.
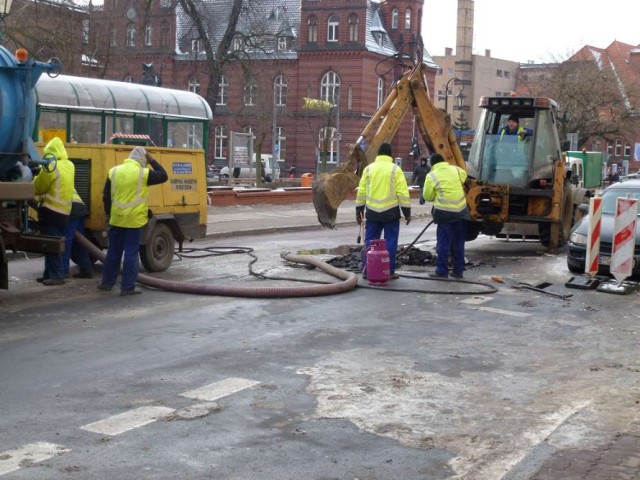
(577, 244)
(268, 173)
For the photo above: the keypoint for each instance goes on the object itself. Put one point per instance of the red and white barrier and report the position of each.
(624, 238)
(593, 237)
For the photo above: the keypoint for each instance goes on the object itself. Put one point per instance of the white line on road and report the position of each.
(12, 460)
(126, 421)
(504, 312)
(214, 391)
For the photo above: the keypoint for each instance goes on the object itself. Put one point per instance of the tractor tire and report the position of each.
(566, 222)
(157, 254)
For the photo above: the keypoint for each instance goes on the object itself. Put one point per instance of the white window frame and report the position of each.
(221, 140)
(330, 87)
(380, 91)
(333, 24)
(132, 33)
(332, 154)
(281, 141)
(282, 44)
(194, 85)
(407, 19)
(394, 18)
(280, 91)
(148, 34)
(223, 91)
(250, 93)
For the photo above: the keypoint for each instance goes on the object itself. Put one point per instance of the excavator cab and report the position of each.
(521, 159)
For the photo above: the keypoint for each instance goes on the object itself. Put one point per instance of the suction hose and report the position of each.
(348, 283)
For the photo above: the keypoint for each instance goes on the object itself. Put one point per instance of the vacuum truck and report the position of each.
(18, 76)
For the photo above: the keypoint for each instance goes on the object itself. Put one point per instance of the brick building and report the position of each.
(333, 50)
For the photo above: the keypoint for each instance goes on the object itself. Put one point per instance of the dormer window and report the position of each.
(237, 43)
(282, 43)
(379, 38)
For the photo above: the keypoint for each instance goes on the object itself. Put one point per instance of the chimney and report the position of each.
(487, 53)
(448, 51)
(634, 59)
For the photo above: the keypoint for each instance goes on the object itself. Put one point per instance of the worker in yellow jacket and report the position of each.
(55, 190)
(382, 194)
(125, 197)
(444, 187)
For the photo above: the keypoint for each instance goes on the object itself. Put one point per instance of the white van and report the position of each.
(271, 170)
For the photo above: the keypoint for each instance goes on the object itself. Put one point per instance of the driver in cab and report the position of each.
(513, 128)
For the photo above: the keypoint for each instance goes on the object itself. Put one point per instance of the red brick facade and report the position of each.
(351, 60)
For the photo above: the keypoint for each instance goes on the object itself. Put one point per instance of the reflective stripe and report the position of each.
(55, 202)
(138, 199)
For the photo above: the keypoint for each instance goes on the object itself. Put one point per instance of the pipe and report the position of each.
(348, 283)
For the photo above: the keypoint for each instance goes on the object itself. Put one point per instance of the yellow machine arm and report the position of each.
(410, 92)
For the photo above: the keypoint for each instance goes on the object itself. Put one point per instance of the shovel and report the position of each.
(522, 285)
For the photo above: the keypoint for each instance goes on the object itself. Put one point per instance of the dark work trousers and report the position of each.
(373, 231)
(53, 267)
(127, 241)
(450, 240)
(80, 254)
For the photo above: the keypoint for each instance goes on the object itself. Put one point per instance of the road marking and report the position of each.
(214, 391)
(504, 312)
(126, 421)
(12, 460)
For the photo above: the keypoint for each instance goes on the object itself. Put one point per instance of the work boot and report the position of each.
(437, 275)
(457, 275)
(127, 293)
(105, 288)
(394, 276)
(40, 279)
(52, 281)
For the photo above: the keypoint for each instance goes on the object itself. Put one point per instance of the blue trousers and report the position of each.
(450, 241)
(373, 231)
(53, 266)
(80, 253)
(127, 241)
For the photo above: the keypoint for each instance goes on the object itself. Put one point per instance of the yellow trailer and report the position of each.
(177, 208)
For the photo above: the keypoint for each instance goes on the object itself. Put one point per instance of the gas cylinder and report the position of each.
(378, 263)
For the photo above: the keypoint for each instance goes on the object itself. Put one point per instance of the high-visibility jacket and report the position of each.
(444, 187)
(383, 187)
(55, 189)
(521, 138)
(129, 195)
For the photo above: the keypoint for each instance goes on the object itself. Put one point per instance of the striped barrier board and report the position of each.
(593, 237)
(624, 238)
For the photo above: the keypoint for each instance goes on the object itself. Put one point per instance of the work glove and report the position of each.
(407, 220)
(358, 218)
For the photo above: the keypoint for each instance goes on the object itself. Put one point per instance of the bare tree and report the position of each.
(599, 102)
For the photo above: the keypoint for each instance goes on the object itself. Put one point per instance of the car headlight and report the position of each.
(578, 239)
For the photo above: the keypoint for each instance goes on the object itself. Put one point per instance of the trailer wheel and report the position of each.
(156, 255)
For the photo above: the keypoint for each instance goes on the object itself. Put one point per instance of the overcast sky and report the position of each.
(539, 30)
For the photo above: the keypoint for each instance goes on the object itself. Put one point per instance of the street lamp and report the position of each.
(446, 91)
(460, 104)
(5, 6)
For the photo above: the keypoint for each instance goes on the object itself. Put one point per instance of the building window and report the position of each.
(595, 146)
(251, 130)
(194, 85)
(350, 98)
(354, 24)
(439, 71)
(378, 37)
(282, 43)
(328, 140)
(192, 136)
(85, 31)
(132, 32)
(394, 18)
(498, 73)
(308, 91)
(332, 29)
(627, 150)
(609, 149)
(165, 3)
(618, 148)
(330, 87)
(221, 139)
(148, 34)
(449, 71)
(407, 19)
(164, 35)
(281, 141)
(195, 46)
(237, 44)
(114, 38)
(380, 92)
(507, 74)
(250, 93)
(280, 91)
(223, 91)
(312, 23)
(128, 79)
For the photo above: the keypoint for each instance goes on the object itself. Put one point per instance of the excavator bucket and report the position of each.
(331, 188)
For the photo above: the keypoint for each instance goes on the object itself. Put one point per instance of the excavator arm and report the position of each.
(410, 93)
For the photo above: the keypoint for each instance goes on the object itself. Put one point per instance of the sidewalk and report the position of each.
(238, 220)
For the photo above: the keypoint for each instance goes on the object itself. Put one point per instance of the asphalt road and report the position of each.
(398, 383)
